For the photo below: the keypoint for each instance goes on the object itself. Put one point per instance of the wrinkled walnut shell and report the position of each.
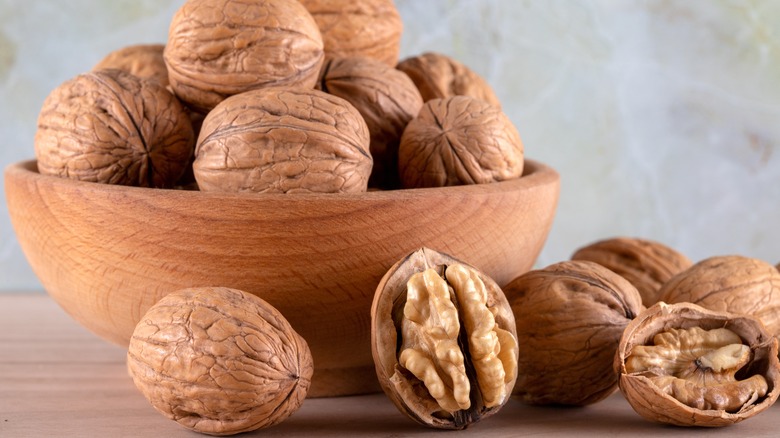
(219, 361)
(655, 405)
(645, 263)
(142, 60)
(569, 316)
(438, 76)
(459, 140)
(283, 140)
(385, 97)
(218, 48)
(111, 127)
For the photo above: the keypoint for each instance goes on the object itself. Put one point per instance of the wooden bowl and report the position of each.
(106, 253)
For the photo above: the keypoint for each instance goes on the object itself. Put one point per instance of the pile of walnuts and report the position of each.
(278, 96)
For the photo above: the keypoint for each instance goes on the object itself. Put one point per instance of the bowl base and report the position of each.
(335, 382)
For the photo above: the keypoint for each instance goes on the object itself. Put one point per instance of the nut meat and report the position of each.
(443, 341)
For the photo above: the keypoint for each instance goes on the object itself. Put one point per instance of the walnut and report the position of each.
(142, 60)
(218, 48)
(443, 341)
(438, 76)
(459, 140)
(111, 127)
(645, 263)
(385, 97)
(370, 28)
(570, 316)
(733, 284)
(283, 140)
(684, 365)
(219, 361)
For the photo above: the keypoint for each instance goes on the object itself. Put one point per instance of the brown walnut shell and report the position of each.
(283, 140)
(143, 60)
(369, 28)
(647, 264)
(111, 127)
(218, 48)
(475, 315)
(385, 97)
(570, 316)
(652, 403)
(459, 140)
(438, 76)
(219, 361)
(732, 283)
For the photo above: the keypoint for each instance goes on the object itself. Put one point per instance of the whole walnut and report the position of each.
(459, 140)
(111, 127)
(570, 316)
(438, 76)
(143, 60)
(218, 48)
(385, 97)
(647, 264)
(219, 361)
(283, 140)
(370, 28)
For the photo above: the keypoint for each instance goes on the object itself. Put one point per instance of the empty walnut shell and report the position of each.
(569, 316)
(438, 76)
(735, 284)
(283, 140)
(369, 28)
(143, 60)
(443, 341)
(459, 140)
(385, 97)
(688, 400)
(219, 361)
(218, 48)
(645, 263)
(111, 127)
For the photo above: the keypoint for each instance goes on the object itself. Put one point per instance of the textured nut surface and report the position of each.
(370, 28)
(443, 341)
(111, 127)
(569, 316)
(142, 60)
(280, 140)
(647, 264)
(733, 284)
(438, 76)
(385, 97)
(685, 365)
(218, 48)
(219, 361)
(459, 140)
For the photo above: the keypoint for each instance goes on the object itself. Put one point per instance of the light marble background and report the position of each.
(662, 116)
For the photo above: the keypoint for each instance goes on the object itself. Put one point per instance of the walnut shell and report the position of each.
(438, 76)
(647, 264)
(218, 48)
(733, 283)
(111, 127)
(651, 401)
(385, 97)
(283, 140)
(459, 140)
(219, 361)
(143, 60)
(569, 316)
(369, 28)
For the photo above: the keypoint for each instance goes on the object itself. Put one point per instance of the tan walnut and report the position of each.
(385, 97)
(218, 48)
(111, 127)
(219, 361)
(143, 60)
(570, 316)
(685, 365)
(459, 140)
(647, 264)
(443, 341)
(438, 76)
(369, 28)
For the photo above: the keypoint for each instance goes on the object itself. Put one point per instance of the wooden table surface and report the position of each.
(57, 379)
